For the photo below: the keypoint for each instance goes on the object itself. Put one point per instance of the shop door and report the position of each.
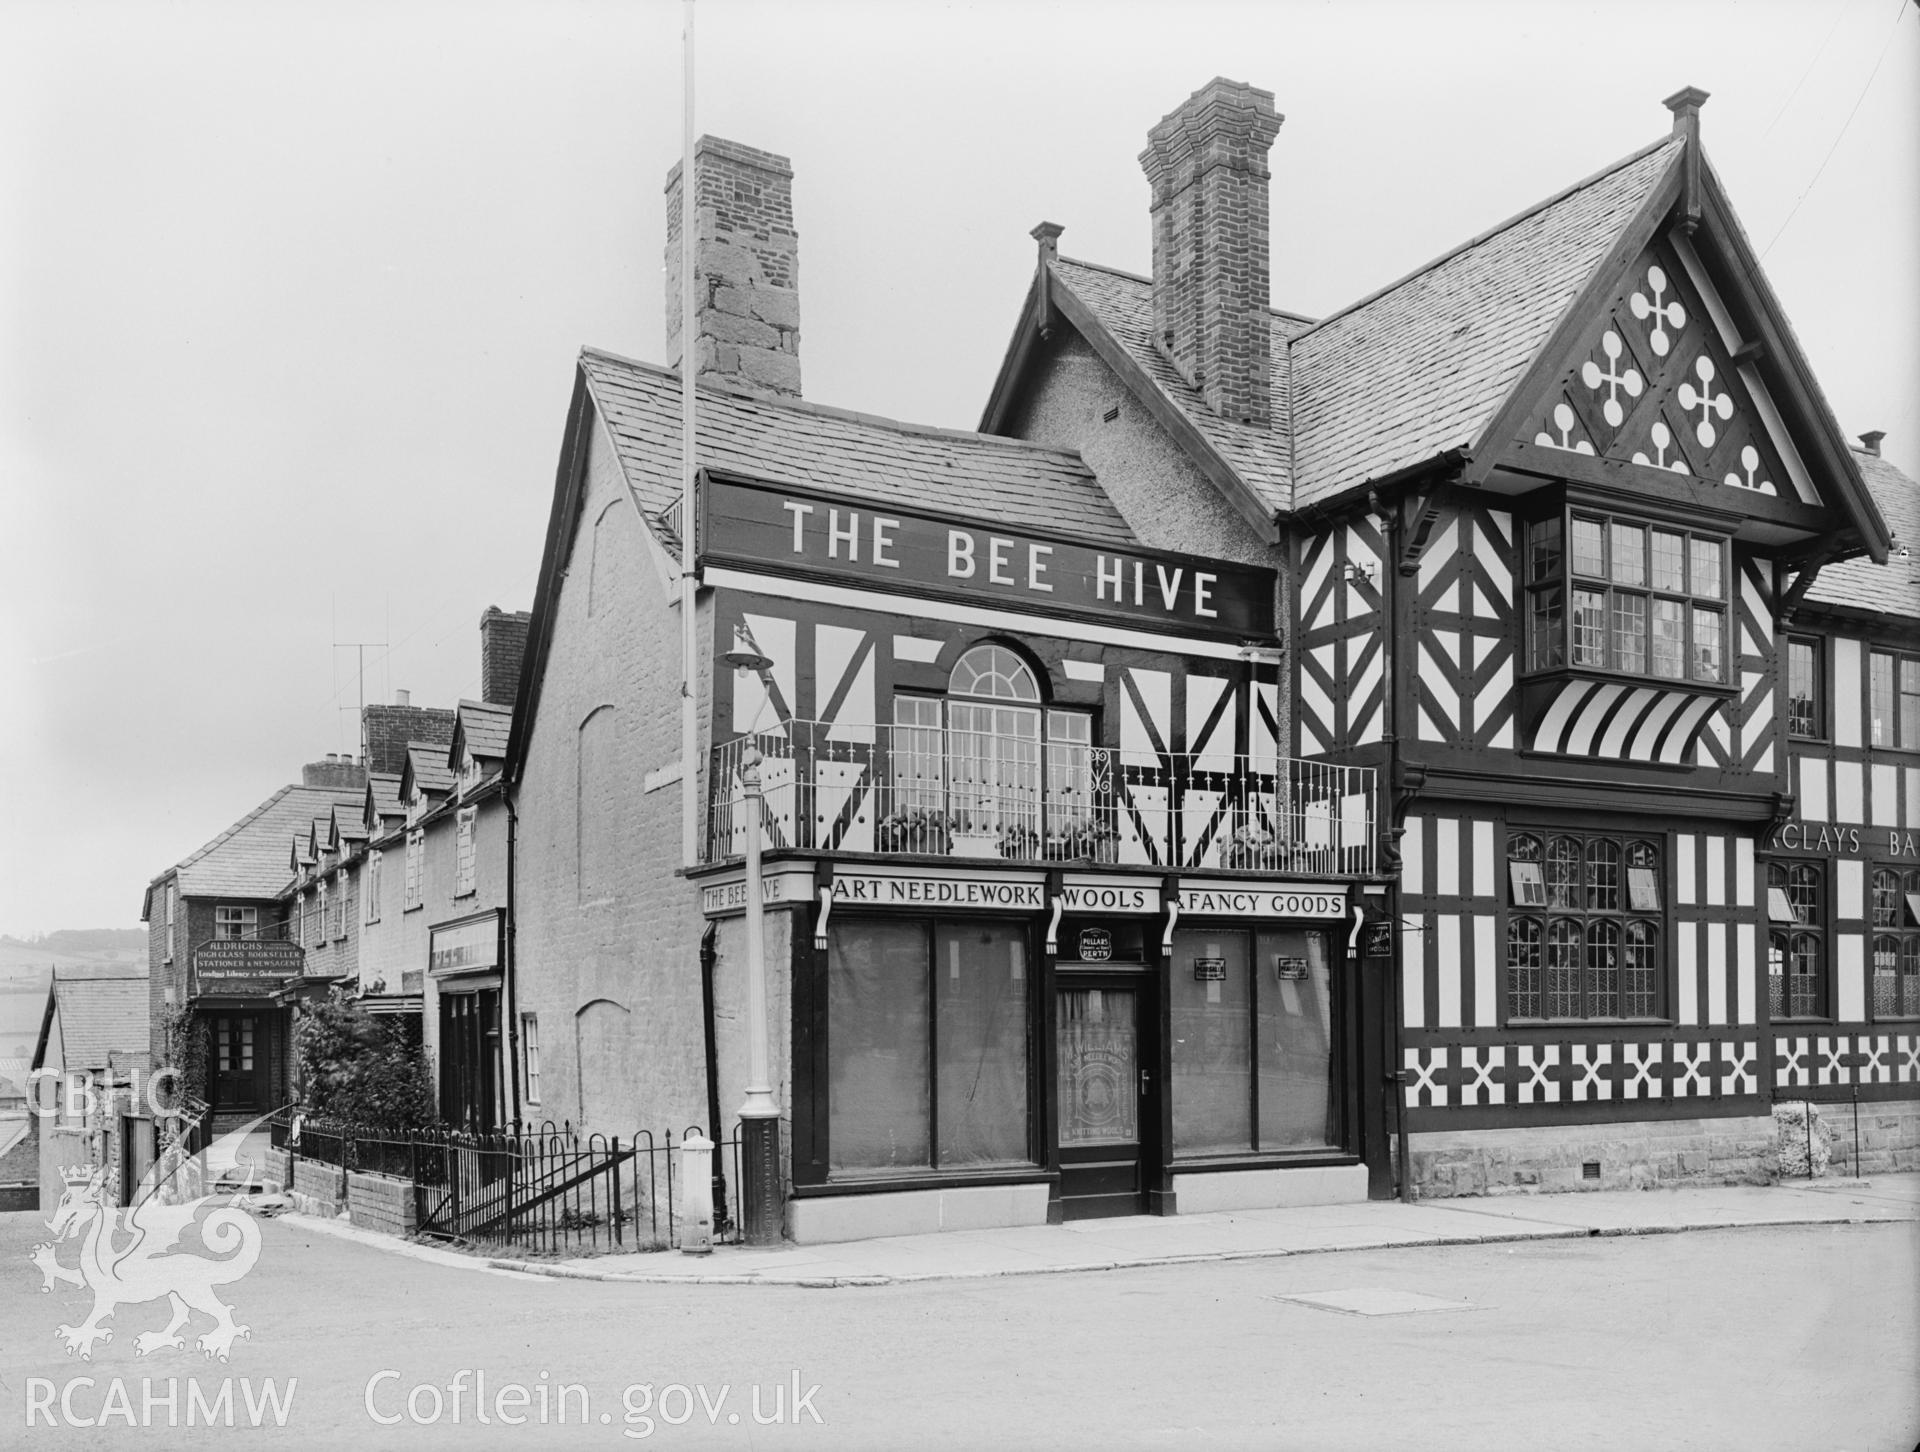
(239, 1061)
(469, 1056)
(1102, 1087)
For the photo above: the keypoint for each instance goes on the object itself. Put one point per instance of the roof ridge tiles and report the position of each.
(1286, 313)
(804, 407)
(1481, 238)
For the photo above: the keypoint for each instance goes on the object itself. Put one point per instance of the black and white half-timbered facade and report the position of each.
(1466, 741)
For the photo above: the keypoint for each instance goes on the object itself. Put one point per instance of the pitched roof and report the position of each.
(483, 728)
(249, 859)
(427, 767)
(383, 790)
(1412, 370)
(99, 1017)
(1860, 584)
(801, 444)
(1422, 366)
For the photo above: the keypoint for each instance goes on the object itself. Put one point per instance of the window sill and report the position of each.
(1305, 1157)
(470, 892)
(1558, 675)
(876, 1182)
(414, 909)
(1560, 1023)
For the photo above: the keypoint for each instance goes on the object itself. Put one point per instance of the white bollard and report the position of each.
(696, 1175)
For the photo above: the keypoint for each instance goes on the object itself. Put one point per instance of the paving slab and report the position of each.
(1148, 1240)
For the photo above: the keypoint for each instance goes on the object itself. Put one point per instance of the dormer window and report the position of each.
(1628, 597)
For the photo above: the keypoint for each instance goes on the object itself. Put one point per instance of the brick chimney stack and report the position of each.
(503, 641)
(1207, 165)
(747, 266)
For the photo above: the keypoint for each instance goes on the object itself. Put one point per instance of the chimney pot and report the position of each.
(1870, 441)
(1206, 162)
(403, 698)
(746, 270)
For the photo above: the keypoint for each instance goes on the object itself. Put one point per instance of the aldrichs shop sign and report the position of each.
(878, 547)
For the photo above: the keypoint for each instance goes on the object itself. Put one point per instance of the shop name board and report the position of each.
(244, 958)
(1878, 842)
(466, 947)
(1262, 900)
(1109, 897)
(749, 526)
(858, 889)
(776, 889)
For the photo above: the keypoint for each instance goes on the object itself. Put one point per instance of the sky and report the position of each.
(290, 294)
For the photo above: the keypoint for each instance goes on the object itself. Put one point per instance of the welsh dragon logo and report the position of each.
(130, 1255)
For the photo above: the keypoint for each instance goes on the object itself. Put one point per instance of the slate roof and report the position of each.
(1860, 584)
(384, 788)
(427, 762)
(483, 727)
(249, 859)
(806, 444)
(100, 1017)
(13, 1077)
(1412, 370)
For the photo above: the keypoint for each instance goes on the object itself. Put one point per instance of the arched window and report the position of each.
(1563, 968)
(1796, 966)
(1603, 969)
(991, 764)
(1641, 968)
(1563, 874)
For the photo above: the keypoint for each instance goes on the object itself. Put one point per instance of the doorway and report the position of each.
(1101, 1045)
(239, 1061)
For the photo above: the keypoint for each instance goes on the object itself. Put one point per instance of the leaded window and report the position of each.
(1896, 944)
(1584, 927)
(1627, 597)
(1796, 953)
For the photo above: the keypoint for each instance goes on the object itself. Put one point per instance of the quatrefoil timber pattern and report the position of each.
(1652, 384)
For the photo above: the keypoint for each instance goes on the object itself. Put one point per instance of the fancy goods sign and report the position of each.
(750, 525)
(1262, 900)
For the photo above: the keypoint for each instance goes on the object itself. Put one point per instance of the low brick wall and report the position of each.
(380, 1202)
(279, 1169)
(319, 1189)
(1593, 1157)
(1889, 1137)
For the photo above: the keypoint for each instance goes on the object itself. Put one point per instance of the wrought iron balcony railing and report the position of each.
(932, 791)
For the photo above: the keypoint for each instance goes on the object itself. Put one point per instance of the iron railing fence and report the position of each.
(935, 791)
(539, 1190)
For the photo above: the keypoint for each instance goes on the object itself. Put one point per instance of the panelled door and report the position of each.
(239, 1062)
(1103, 1093)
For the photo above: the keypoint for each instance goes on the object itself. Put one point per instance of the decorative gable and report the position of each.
(1654, 384)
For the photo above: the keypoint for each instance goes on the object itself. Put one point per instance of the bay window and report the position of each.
(1628, 597)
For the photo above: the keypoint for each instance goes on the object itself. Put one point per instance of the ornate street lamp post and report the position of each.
(763, 1194)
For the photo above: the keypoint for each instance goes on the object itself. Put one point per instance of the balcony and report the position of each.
(920, 791)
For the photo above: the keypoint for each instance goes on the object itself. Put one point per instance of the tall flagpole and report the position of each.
(689, 471)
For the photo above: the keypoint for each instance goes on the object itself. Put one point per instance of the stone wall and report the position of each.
(1888, 1137)
(1630, 1156)
(279, 1169)
(380, 1202)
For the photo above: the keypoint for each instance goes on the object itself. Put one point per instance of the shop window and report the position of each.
(1254, 1028)
(463, 852)
(373, 887)
(989, 754)
(1626, 597)
(1796, 949)
(530, 1057)
(927, 1047)
(1584, 927)
(1893, 699)
(235, 922)
(1896, 944)
(1806, 713)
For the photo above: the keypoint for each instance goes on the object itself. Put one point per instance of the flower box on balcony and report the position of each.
(919, 830)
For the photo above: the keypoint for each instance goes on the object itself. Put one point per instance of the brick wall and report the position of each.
(503, 643)
(322, 1188)
(1630, 1156)
(747, 307)
(380, 1202)
(635, 948)
(1207, 164)
(279, 1168)
(386, 730)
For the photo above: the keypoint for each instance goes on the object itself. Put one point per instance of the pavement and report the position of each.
(1149, 1240)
